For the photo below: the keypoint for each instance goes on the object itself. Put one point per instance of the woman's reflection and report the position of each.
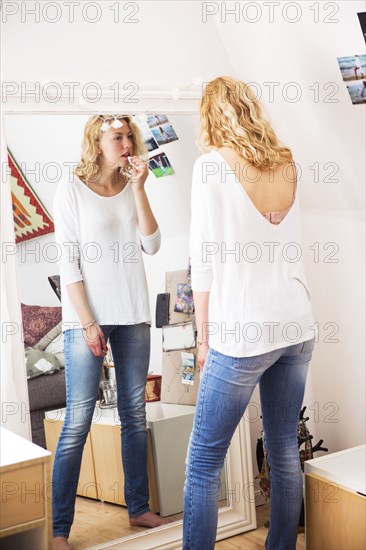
(103, 222)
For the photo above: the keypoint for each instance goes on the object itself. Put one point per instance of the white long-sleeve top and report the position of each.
(99, 243)
(259, 298)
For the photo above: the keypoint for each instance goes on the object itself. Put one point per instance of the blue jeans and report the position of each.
(130, 346)
(226, 386)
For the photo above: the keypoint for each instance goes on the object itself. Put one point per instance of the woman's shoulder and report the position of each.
(206, 169)
(205, 156)
(67, 186)
(202, 163)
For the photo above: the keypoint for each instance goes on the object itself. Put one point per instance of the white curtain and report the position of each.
(15, 415)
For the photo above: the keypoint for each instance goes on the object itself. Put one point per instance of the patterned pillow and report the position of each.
(38, 321)
(54, 333)
(40, 362)
(56, 347)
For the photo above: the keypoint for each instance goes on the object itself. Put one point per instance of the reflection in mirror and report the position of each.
(46, 148)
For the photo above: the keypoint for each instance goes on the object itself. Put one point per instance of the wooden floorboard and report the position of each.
(96, 522)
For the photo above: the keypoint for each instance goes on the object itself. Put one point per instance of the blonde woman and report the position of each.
(103, 222)
(254, 318)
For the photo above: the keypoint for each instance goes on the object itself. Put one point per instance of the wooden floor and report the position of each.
(96, 522)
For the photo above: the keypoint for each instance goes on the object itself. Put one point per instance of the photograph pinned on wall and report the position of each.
(147, 136)
(188, 368)
(357, 92)
(184, 301)
(353, 70)
(31, 218)
(156, 120)
(353, 67)
(362, 19)
(160, 165)
(161, 129)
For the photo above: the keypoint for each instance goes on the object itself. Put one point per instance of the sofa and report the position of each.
(44, 355)
(46, 393)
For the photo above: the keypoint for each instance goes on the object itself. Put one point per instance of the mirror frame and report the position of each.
(239, 515)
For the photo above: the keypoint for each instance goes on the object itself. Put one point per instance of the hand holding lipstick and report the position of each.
(140, 171)
(133, 160)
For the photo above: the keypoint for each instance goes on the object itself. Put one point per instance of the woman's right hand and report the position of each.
(95, 340)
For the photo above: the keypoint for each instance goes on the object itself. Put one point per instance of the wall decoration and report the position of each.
(184, 301)
(31, 219)
(148, 138)
(161, 129)
(357, 92)
(353, 67)
(160, 165)
(353, 71)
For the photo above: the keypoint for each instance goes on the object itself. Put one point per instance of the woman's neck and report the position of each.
(108, 181)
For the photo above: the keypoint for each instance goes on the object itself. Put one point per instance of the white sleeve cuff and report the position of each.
(151, 243)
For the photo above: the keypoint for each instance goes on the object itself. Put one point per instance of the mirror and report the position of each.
(45, 146)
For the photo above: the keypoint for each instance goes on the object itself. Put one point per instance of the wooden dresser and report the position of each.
(335, 509)
(26, 496)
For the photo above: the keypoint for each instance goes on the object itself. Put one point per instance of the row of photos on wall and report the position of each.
(31, 219)
(353, 69)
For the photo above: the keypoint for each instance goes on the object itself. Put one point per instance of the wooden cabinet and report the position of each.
(335, 496)
(107, 462)
(101, 474)
(25, 504)
(87, 486)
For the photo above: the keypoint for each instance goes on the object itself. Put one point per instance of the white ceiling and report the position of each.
(168, 45)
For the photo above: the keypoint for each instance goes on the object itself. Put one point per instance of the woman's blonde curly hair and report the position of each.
(89, 165)
(231, 116)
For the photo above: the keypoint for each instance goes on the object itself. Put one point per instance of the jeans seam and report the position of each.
(131, 335)
(203, 382)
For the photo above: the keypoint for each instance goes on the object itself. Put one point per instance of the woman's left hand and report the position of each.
(140, 172)
(202, 355)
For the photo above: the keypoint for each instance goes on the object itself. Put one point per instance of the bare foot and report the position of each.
(60, 543)
(149, 519)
